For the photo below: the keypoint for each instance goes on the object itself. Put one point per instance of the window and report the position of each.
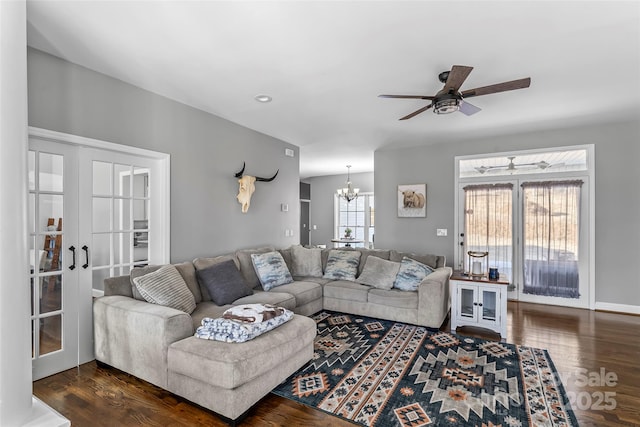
(551, 212)
(488, 224)
(357, 215)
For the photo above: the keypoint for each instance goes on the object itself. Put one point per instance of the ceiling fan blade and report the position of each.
(457, 76)
(500, 87)
(415, 113)
(408, 96)
(468, 109)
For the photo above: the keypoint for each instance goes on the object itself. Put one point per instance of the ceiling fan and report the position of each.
(450, 99)
(511, 166)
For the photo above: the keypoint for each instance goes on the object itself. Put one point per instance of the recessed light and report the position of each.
(263, 98)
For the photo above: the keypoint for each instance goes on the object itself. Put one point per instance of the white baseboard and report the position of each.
(620, 308)
(97, 293)
(42, 415)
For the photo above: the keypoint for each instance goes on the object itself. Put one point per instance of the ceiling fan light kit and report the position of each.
(450, 99)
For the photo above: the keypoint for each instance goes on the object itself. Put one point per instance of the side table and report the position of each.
(478, 302)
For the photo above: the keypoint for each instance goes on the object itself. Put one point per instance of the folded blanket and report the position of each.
(231, 329)
(253, 313)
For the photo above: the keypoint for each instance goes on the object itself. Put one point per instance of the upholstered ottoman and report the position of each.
(229, 378)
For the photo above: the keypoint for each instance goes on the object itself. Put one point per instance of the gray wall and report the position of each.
(617, 153)
(323, 189)
(205, 152)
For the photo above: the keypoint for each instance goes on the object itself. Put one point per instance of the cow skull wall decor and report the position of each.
(247, 187)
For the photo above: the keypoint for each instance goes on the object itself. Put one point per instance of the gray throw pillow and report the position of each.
(306, 262)
(342, 265)
(271, 269)
(379, 273)
(411, 274)
(224, 282)
(166, 286)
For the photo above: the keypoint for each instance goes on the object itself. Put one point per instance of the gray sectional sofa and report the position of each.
(156, 343)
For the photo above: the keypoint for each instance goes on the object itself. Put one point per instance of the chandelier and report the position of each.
(348, 193)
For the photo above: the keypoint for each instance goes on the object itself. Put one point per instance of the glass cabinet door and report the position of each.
(489, 305)
(466, 302)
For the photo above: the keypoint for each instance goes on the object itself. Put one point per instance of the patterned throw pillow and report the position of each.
(411, 274)
(166, 286)
(271, 269)
(342, 265)
(306, 262)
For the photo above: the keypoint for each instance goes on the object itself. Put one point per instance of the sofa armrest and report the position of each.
(134, 336)
(433, 298)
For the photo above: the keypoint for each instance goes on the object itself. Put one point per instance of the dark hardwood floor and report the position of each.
(588, 349)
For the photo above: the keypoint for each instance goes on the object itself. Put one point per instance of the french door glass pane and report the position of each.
(50, 172)
(32, 213)
(101, 214)
(122, 244)
(50, 334)
(50, 206)
(98, 275)
(101, 250)
(551, 215)
(122, 214)
(102, 178)
(121, 180)
(51, 293)
(54, 256)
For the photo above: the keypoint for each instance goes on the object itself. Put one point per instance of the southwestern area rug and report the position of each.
(381, 373)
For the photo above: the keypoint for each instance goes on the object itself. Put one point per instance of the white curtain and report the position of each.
(551, 224)
(489, 225)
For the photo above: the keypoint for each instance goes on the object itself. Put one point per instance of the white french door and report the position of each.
(94, 213)
(53, 232)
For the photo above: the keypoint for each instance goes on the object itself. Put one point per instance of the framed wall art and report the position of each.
(412, 201)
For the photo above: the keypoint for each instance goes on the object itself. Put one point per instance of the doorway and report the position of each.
(95, 210)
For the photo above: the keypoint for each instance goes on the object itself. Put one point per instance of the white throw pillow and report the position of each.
(166, 286)
(306, 262)
(379, 273)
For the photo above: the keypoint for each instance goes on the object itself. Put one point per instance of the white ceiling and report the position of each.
(325, 62)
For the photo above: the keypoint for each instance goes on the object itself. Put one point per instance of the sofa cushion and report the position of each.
(231, 365)
(379, 273)
(342, 289)
(207, 309)
(202, 263)
(366, 253)
(166, 287)
(342, 265)
(246, 265)
(271, 269)
(433, 261)
(394, 298)
(318, 280)
(223, 282)
(186, 270)
(306, 262)
(411, 274)
(304, 292)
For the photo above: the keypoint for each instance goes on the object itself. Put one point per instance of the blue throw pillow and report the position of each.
(411, 274)
(342, 265)
(271, 269)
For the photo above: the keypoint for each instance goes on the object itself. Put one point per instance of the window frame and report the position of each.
(587, 175)
(368, 241)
